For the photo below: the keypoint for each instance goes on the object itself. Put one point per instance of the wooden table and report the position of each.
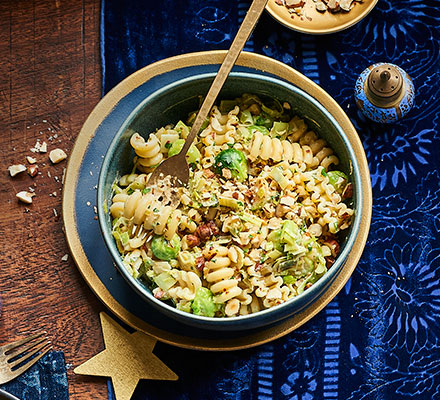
(50, 80)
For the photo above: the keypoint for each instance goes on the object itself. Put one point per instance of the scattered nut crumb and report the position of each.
(31, 160)
(88, 203)
(65, 257)
(39, 147)
(16, 169)
(226, 173)
(25, 197)
(57, 155)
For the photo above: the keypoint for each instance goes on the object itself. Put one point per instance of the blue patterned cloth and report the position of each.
(46, 380)
(380, 337)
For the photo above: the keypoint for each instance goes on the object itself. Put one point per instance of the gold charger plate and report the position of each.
(318, 23)
(87, 135)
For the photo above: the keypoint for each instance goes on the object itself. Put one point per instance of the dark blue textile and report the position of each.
(46, 380)
(380, 337)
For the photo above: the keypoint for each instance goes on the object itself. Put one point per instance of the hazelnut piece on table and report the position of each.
(57, 155)
(32, 170)
(16, 169)
(25, 197)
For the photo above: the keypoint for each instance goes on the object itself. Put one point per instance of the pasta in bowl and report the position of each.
(264, 224)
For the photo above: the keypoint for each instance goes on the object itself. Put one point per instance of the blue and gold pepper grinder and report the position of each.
(384, 92)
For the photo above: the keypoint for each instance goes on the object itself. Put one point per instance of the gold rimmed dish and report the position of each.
(315, 22)
(82, 231)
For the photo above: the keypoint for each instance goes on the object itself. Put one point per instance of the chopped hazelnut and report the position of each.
(43, 147)
(320, 6)
(226, 173)
(25, 197)
(200, 263)
(208, 173)
(294, 3)
(334, 246)
(345, 4)
(254, 109)
(203, 232)
(213, 228)
(16, 169)
(33, 170)
(348, 191)
(57, 155)
(31, 160)
(192, 240)
(287, 201)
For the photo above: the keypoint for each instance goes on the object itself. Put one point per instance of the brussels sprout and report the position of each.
(193, 154)
(203, 303)
(164, 249)
(338, 179)
(234, 160)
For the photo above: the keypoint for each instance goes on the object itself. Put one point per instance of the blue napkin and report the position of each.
(380, 337)
(46, 380)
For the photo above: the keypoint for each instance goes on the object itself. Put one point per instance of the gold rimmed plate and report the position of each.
(319, 23)
(82, 230)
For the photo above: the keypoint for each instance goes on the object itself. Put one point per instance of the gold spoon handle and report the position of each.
(246, 28)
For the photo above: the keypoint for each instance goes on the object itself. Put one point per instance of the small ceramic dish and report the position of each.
(173, 102)
(319, 23)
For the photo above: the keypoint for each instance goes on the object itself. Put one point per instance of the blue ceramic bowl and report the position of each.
(173, 102)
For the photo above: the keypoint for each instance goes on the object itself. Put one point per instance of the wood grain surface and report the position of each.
(50, 80)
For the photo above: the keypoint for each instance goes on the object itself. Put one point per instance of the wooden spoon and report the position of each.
(177, 166)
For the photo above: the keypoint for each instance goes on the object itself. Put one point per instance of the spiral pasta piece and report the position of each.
(186, 286)
(146, 209)
(253, 307)
(319, 148)
(218, 273)
(264, 147)
(118, 204)
(149, 152)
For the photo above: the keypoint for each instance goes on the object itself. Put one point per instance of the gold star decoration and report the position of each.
(127, 358)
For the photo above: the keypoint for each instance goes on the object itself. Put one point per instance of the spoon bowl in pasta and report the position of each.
(270, 213)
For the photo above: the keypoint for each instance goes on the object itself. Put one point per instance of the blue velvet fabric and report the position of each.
(46, 380)
(380, 337)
